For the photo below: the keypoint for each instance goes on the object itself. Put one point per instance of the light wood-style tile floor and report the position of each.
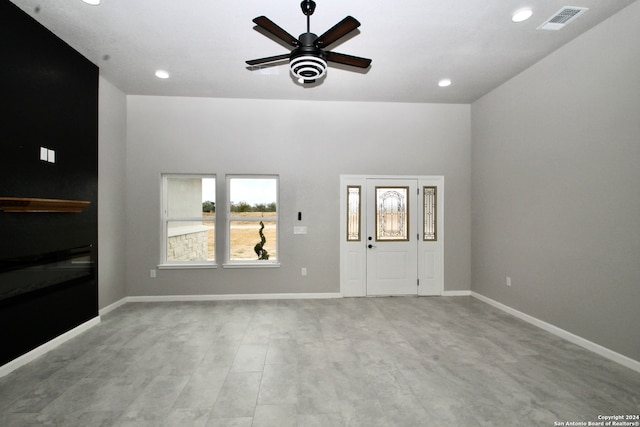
(443, 361)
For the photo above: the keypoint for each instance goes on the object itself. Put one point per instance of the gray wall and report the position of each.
(309, 144)
(555, 187)
(112, 117)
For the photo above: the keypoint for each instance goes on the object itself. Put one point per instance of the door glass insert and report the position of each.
(429, 228)
(392, 213)
(353, 213)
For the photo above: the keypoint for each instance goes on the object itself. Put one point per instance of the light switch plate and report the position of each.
(47, 155)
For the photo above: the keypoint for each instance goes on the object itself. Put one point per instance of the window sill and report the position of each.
(186, 266)
(251, 264)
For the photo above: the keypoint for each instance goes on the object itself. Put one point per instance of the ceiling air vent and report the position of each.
(561, 18)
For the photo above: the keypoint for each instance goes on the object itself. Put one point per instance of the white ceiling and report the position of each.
(413, 44)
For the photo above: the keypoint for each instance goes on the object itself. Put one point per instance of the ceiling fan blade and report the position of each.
(354, 61)
(339, 30)
(270, 26)
(268, 59)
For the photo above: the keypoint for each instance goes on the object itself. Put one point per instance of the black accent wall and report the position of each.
(48, 98)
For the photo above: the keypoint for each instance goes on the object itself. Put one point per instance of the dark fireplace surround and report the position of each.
(26, 274)
(48, 210)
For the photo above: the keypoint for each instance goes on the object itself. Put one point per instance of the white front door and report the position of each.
(392, 237)
(403, 217)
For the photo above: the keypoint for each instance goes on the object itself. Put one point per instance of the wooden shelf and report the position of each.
(30, 204)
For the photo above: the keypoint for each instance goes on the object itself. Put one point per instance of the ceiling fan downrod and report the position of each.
(308, 7)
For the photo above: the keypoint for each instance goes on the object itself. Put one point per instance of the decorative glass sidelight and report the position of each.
(429, 204)
(392, 213)
(353, 213)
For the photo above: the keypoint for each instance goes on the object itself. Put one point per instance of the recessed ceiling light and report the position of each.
(162, 74)
(521, 15)
(92, 2)
(444, 82)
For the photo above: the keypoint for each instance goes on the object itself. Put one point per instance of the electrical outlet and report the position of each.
(303, 271)
(152, 273)
(508, 281)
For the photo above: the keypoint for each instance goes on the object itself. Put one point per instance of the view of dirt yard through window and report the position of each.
(244, 235)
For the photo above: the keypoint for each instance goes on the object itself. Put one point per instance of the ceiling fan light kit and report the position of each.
(307, 59)
(308, 68)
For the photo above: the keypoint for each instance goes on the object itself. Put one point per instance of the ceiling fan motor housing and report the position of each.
(307, 62)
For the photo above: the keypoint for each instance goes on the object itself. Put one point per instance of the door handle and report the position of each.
(370, 246)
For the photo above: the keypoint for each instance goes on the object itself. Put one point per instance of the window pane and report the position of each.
(429, 214)
(353, 213)
(190, 241)
(253, 194)
(392, 217)
(253, 218)
(249, 241)
(189, 196)
(189, 203)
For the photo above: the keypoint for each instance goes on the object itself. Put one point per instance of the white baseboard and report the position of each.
(456, 293)
(46, 347)
(113, 306)
(230, 297)
(575, 339)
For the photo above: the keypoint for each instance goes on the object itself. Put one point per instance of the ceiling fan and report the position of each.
(308, 59)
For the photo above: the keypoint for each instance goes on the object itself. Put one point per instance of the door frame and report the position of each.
(353, 255)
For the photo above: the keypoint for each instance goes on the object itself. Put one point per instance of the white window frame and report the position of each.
(165, 219)
(228, 263)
